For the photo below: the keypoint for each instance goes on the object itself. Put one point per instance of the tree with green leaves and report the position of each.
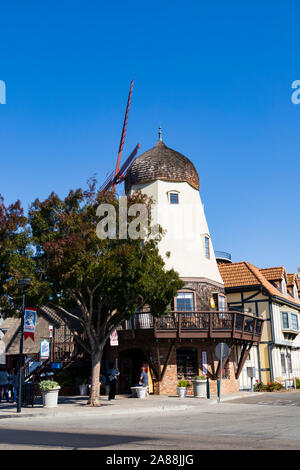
(100, 282)
(16, 259)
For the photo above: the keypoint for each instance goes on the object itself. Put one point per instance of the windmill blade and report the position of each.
(127, 162)
(112, 180)
(107, 182)
(124, 128)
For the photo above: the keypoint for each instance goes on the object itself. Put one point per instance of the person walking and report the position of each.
(144, 379)
(113, 375)
(10, 384)
(3, 384)
(15, 385)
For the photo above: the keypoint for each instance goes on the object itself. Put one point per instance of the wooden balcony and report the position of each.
(206, 325)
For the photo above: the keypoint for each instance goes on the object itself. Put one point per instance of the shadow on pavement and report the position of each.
(31, 439)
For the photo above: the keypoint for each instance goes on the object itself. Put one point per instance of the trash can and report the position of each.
(28, 394)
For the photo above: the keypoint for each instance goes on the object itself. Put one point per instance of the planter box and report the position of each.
(181, 391)
(50, 398)
(141, 392)
(138, 392)
(199, 388)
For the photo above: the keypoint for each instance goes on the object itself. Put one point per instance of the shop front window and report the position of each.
(187, 363)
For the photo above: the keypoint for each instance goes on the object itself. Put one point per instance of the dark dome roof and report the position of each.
(161, 163)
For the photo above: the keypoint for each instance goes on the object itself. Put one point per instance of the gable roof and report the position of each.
(292, 279)
(274, 274)
(245, 274)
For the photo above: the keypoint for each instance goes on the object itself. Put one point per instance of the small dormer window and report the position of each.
(174, 198)
(295, 292)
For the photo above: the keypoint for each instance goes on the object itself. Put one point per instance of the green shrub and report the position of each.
(47, 385)
(199, 377)
(183, 383)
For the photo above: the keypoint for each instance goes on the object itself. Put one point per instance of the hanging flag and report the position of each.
(44, 349)
(204, 362)
(114, 339)
(29, 323)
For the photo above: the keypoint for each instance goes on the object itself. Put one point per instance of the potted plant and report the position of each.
(49, 389)
(141, 391)
(182, 387)
(199, 385)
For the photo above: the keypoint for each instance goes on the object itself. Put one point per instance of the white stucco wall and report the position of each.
(185, 226)
(252, 361)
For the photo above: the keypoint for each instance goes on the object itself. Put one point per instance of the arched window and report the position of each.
(187, 363)
(185, 301)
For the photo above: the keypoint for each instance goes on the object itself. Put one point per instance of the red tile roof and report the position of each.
(274, 274)
(246, 274)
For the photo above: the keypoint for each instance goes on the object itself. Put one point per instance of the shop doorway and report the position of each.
(131, 362)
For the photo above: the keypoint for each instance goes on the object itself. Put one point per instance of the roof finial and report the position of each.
(159, 134)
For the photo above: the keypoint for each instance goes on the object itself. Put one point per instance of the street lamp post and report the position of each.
(24, 284)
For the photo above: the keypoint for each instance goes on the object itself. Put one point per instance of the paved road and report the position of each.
(216, 426)
(275, 399)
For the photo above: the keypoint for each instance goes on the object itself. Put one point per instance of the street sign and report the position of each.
(251, 372)
(222, 350)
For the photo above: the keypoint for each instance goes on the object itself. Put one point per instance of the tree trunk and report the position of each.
(94, 398)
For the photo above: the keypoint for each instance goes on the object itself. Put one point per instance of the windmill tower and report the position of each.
(172, 181)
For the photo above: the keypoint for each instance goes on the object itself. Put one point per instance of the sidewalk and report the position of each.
(123, 404)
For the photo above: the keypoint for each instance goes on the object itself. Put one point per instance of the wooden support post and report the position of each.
(211, 353)
(225, 362)
(167, 361)
(244, 354)
(158, 362)
(233, 324)
(151, 363)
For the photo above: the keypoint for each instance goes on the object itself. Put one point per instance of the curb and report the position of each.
(116, 410)
(98, 412)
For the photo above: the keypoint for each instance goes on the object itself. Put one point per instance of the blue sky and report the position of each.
(216, 75)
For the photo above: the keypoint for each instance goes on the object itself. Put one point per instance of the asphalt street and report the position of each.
(249, 423)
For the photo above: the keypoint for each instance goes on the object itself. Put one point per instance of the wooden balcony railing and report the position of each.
(198, 324)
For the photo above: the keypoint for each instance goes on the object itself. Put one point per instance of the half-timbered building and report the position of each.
(271, 294)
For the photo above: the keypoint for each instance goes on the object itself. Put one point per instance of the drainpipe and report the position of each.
(272, 344)
(259, 364)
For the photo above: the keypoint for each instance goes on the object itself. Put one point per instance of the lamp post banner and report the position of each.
(44, 349)
(114, 338)
(29, 322)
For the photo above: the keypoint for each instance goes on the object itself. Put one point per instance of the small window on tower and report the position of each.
(207, 247)
(174, 198)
